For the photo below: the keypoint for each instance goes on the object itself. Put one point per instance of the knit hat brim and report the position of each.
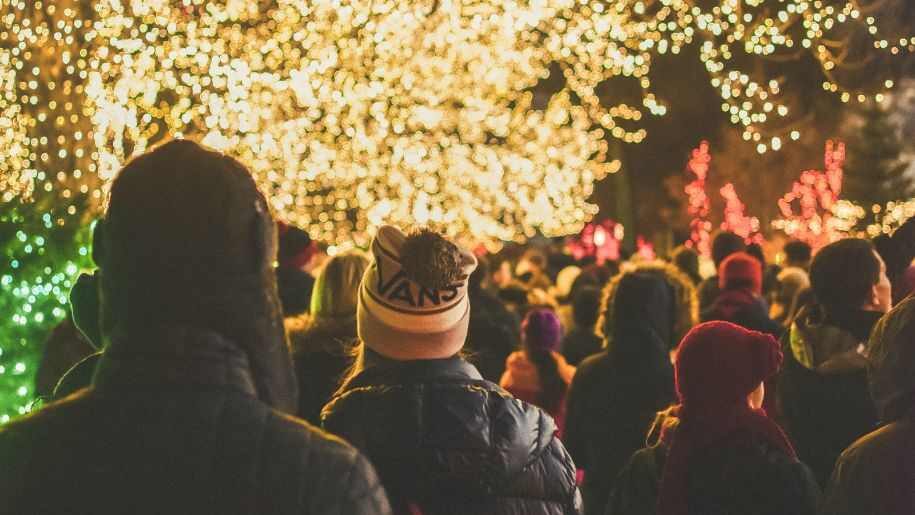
(402, 344)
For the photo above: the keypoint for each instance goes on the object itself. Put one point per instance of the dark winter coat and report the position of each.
(615, 394)
(448, 442)
(744, 309)
(734, 478)
(579, 344)
(175, 426)
(822, 388)
(876, 475)
(609, 409)
(493, 333)
(321, 354)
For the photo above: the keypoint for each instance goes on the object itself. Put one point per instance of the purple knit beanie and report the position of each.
(542, 330)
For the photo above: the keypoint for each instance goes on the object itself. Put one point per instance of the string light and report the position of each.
(357, 113)
(735, 219)
(888, 218)
(698, 203)
(807, 210)
(600, 240)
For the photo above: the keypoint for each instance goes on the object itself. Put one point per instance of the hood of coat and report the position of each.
(521, 373)
(824, 346)
(176, 358)
(452, 429)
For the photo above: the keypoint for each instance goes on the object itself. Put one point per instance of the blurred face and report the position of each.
(881, 297)
(755, 399)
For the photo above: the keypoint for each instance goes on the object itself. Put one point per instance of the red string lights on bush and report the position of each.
(807, 210)
(698, 202)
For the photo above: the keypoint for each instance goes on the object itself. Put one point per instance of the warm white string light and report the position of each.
(355, 113)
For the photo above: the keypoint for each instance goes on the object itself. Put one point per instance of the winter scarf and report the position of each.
(718, 365)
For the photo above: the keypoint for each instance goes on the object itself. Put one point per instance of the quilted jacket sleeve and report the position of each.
(345, 483)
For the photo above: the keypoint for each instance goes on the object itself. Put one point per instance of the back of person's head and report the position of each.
(295, 246)
(687, 260)
(684, 309)
(891, 356)
(843, 275)
(541, 335)
(188, 241)
(639, 316)
(337, 286)
(585, 307)
(413, 299)
(724, 244)
(797, 253)
(719, 364)
(541, 330)
(740, 271)
(756, 250)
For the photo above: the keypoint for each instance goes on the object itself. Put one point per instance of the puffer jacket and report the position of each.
(823, 390)
(736, 477)
(175, 426)
(445, 441)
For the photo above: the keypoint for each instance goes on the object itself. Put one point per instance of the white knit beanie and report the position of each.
(413, 297)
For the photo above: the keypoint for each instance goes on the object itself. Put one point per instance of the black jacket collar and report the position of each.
(380, 370)
(174, 357)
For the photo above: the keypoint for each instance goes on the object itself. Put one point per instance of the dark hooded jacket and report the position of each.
(446, 441)
(876, 474)
(616, 393)
(186, 410)
(174, 424)
(822, 389)
(738, 476)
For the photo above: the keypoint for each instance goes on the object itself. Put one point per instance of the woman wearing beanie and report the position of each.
(718, 452)
(323, 349)
(444, 441)
(539, 374)
(740, 299)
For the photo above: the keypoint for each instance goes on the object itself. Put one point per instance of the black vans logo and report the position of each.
(399, 288)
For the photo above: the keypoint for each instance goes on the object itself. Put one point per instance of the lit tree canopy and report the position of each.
(354, 113)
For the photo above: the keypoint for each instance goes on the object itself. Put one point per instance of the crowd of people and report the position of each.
(219, 362)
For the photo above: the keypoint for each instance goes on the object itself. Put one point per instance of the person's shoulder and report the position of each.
(592, 366)
(884, 441)
(341, 478)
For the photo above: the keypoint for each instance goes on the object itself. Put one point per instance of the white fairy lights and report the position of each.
(353, 113)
